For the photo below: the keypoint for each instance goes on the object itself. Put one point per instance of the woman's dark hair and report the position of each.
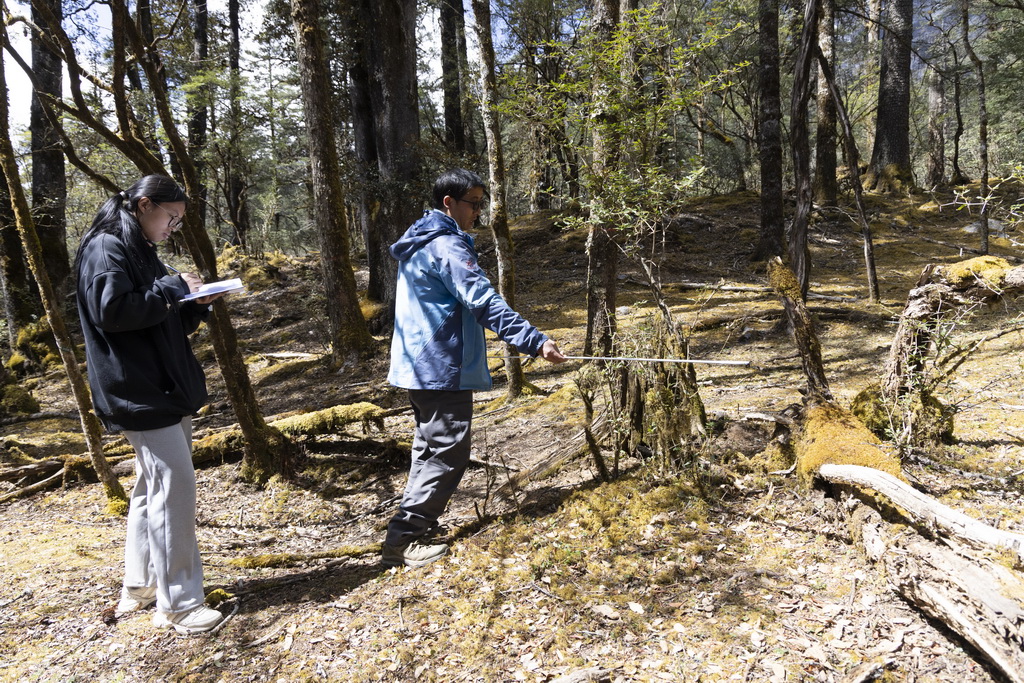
(117, 215)
(455, 183)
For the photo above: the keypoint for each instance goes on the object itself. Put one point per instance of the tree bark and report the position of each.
(49, 184)
(602, 252)
(51, 303)
(979, 69)
(935, 175)
(451, 78)
(504, 249)
(21, 297)
(799, 254)
(788, 288)
(349, 334)
(770, 242)
(826, 187)
(197, 104)
(392, 68)
(890, 169)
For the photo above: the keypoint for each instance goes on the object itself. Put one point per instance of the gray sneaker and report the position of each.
(412, 554)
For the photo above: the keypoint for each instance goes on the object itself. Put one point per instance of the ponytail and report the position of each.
(117, 215)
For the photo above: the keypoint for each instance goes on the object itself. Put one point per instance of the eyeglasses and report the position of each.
(175, 222)
(476, 206)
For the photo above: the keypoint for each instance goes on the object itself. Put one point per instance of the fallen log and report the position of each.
(969, 595)
(926, 511)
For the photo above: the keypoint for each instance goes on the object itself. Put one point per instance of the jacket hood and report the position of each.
(430, 227)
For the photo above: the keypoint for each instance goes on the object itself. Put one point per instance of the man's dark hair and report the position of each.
(455, 184)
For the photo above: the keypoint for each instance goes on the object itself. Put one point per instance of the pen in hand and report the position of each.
(172, 269)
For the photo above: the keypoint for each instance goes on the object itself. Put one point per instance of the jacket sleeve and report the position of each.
(463, 277)
(192, 314)
(115, 303)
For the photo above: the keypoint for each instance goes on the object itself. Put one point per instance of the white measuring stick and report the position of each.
(663, 360)
(656, 360)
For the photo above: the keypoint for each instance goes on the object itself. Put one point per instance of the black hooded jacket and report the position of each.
(141, 368)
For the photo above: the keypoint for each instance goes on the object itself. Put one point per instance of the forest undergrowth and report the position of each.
(728, 571)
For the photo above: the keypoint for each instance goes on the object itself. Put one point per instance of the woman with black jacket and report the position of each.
(147, 384)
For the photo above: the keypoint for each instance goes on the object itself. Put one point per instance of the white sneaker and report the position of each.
(196, 620)
(133, 600)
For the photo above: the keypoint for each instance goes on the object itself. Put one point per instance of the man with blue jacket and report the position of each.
(443, 303)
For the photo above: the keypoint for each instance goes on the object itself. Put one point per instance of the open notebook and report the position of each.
(232, 285)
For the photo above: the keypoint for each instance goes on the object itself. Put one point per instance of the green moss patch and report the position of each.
(832, 435)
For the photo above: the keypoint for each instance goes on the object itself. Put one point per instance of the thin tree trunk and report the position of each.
(958, 177)
(238, 205)
(979, 70)
(936, 173)
(826, 189)
(267, 451)
(197, 107)
(496, 164)
(853, 164)
(116, 497)
(799, 254)
(769, 128)
(349, 334)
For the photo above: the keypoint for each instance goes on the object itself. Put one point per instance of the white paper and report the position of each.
(210, 288)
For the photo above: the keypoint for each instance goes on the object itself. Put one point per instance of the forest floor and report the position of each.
(729, 571)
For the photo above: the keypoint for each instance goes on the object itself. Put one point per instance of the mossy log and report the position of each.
(976, 597)
(228, 443)
(941, 293)
(788, 288)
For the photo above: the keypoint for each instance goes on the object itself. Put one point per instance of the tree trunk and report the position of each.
(349, 334)
(826, 188)
(770, 242)
(49, 184)
(890, 169)
(504, 249)
(21, 297)
(799, 254)
(958, 177)
(602, 252)
(853, 164)
(935, 175)
(979, 69)
(392, 67)
(367, 196)
(237, 201)
(197, 104)
(117, 500)
(451, 78)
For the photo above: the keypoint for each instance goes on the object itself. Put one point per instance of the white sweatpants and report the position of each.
(161, 550)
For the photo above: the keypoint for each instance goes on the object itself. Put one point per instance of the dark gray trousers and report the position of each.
(440, 454)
